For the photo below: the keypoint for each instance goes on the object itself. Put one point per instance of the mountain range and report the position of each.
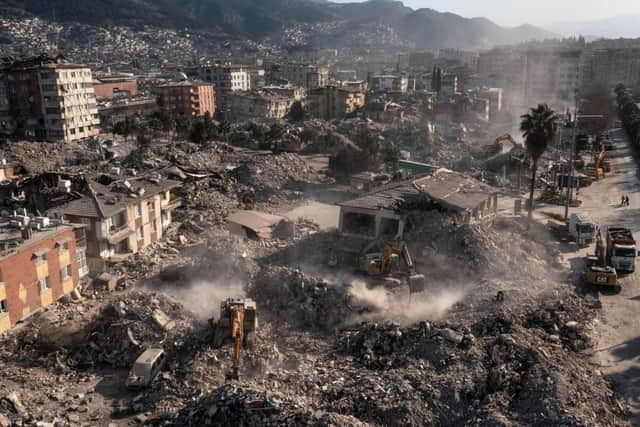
(257, 19)
(612, 27)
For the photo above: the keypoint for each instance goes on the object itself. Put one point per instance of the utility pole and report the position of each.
(571, 162)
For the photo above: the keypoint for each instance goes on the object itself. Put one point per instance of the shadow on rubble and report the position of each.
(322, 192)
(315, 249)
(627, 383)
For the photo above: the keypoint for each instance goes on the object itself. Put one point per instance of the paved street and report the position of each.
(617, 334)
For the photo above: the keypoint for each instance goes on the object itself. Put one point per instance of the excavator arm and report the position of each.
(237, 333)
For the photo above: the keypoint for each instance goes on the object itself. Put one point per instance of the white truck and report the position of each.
(582, 229)
(621, 249)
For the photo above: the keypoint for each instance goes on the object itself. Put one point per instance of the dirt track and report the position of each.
(617, 334)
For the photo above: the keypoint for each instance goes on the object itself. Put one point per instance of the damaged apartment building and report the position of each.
(122, 215)
(41, 260)
(382, 214)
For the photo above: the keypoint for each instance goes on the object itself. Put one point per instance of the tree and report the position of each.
(182, 126)
(538, 129)
(296, 113)
(126, 127)
(275, 132)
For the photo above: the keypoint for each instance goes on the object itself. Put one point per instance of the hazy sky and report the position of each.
(538, 12)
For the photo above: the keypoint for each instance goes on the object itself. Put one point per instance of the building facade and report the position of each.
(112, 85)
(258, 105)
(389, 83)
(38, 267)
(306, 75)
(332, 102)
(187, 99)
(51, 99)
(226, 78)
(122, 216)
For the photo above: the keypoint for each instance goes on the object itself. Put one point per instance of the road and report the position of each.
(617, 331)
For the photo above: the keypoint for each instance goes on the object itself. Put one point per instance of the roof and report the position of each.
(452, 190)
(16, 243)
(43, 61)
(184, 84)
(105, 200)
(254, 220)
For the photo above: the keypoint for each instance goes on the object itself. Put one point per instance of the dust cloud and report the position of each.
(203, 298)
(406, 309)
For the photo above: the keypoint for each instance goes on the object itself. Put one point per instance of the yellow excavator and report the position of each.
(600, 167)
(598, 272)
(238, 321)
(388, 263)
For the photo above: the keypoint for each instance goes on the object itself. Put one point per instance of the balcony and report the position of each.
(118, 233)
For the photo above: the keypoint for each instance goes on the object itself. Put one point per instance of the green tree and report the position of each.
(538, 128)
(296, 113)
(275, 132)
(182, 126)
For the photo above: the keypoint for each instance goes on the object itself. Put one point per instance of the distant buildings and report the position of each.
(332, 102)
(187, 99)
(389, 83)
(449, 85)
(258, 105)
(306, 75)
(112, 85)
(611, 66)
(49, 98)
(227, 78)
(457, 56)
(288, 91)
(40, 262)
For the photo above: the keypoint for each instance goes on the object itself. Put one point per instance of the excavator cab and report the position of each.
(394, 260)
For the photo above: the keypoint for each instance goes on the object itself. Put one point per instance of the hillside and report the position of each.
(256, 19)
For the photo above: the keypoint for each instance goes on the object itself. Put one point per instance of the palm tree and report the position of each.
(538, 129)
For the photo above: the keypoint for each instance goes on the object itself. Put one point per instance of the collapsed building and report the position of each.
(382, 214)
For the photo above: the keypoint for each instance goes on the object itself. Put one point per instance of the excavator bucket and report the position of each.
(416, 283)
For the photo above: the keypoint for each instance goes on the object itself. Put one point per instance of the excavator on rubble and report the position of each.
(238, 321)
(388, 264)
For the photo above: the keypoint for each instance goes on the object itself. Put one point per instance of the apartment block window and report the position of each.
(140, 233)
(81, 258)
(44, 284)
(65, 273)
(154, 225)
(136, 211)
(4, 307)
(39, 257)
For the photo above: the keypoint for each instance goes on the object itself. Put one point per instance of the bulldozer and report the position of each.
(388, 264)
(238, 322)
(599, 273)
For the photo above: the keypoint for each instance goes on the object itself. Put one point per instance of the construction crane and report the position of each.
(238, 322)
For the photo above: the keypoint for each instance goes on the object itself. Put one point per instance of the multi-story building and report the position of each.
(108, 86)
(345, 75)
(421, 60)
(389, 83)
(51, 99)
(504, 68)
(117, 110)
(7, 124)
(457, 56)
(122, 216)
(187, 99)
(40, 262)
(227, 78)
(258, 105)
(611, 66)
(494, 96)
(552, 76)
(449, 85)
(306, 75)
(287, 91)
(331, 102)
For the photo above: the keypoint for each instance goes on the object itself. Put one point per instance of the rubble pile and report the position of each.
(129, 324)
(503, 367)
(293, 297)
(271, 175)
(39, 157)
